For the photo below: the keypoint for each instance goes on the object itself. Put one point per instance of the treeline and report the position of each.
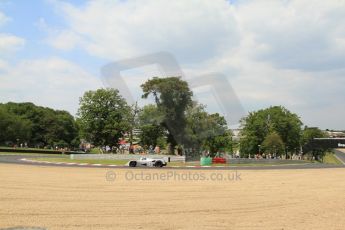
(35, 126)
(174, 122)
(278, 132)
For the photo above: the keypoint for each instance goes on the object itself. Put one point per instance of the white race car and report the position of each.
(148, 162)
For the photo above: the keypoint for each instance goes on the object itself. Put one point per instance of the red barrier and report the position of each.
(218, 160)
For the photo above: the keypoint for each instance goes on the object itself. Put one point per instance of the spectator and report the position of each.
(131, 149)
(151, 151)
(157, 149)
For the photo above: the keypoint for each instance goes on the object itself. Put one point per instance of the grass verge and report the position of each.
(88, 161)
(330, 158)
(235, 165)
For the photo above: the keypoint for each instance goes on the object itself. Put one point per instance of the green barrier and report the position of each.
(205, 161)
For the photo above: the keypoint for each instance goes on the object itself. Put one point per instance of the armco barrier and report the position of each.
(173, 158)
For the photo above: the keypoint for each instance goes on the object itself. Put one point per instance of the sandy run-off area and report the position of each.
(97, 198)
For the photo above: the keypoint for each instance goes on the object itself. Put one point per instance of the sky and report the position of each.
(288, 52)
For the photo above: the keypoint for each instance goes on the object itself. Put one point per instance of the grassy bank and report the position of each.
(87, 161)
(236, 164)
(330, 158)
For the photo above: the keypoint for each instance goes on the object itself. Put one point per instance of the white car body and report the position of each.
(147, 162)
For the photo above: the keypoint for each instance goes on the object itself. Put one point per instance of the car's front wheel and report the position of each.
(158, 164)
(132, 164)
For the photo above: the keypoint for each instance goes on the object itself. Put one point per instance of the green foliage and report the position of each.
(273, 144)
(13, 127)
(219, 143)
(104, 116)
(207, 131)
(308, 135)
(172, 96)
(150, 124)
(162, 142)
(150, 134)
(249, 144)
(198, 125)
(38, 126)
(311, 133)
(257, 125)
(150, 114)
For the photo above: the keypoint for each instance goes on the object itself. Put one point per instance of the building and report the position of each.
(335, 134)
(236, 134)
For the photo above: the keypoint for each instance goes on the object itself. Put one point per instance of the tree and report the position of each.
(198, 127)
(62, 131)
(219, 143)
(40, 126)
(257, 125)
(249, 143)
(273, 144)
(308, 135)
(150, 135)
(104, 116)
(172, 96)
(13, 128)
(150, 125)
(207, 131)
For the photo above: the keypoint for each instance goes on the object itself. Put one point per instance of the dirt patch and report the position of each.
(91, 198)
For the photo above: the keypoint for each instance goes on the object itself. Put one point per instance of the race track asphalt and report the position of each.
(17, 159)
